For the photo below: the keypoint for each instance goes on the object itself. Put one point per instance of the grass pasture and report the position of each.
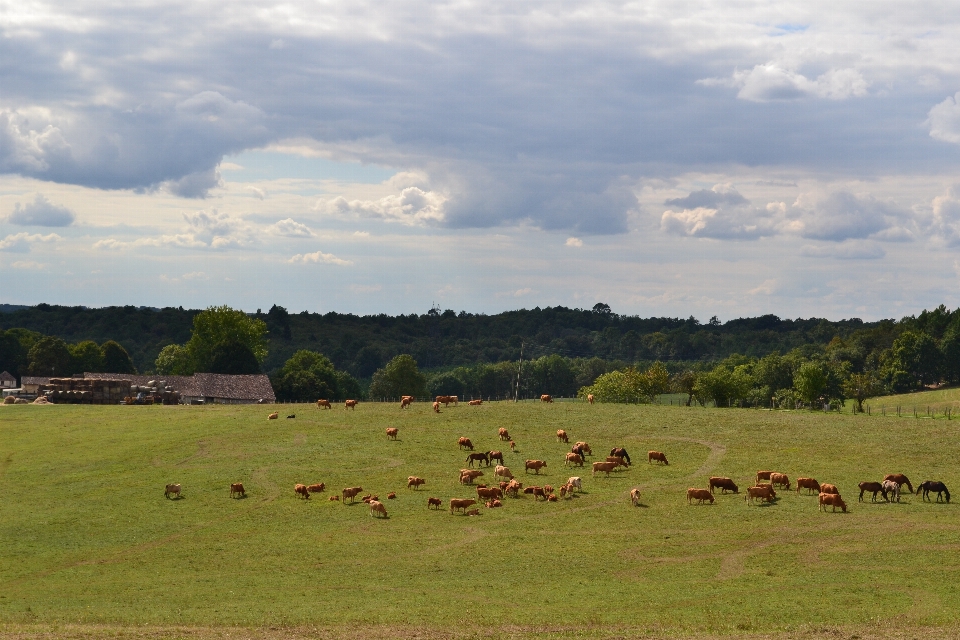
(88, 542)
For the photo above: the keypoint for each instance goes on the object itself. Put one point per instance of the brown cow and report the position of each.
(350, 404)
(334, 498)
(237, 489)
(605, 467)
(478, 458)
(502, 472)
(512, 488)
(874, 488)
(434, 502)
(634, 496)
(575, 458)
(467, 476)
(562, 436)
(317, 488)
(446, 400)
(764, 475)
(351, 492)
(172, 490)
(590, 398)
(809, 484)
(780, 480)
(582, 448)
(405, 402)
(724, 484)
(762, 493)
(436, 407)
(551, 498)
(658, 456)
(513, 445)
(489, 493)
(415, 482)
(461, 503)
(699, 494)
(536, 465)
(465, 443)
(620, 461)
(377, 509)
(392, 433)
(273, 416)
(899, 478)
(832, 499)
(829, 488)
(494, 455)
(323, 404)
(538, 492)
(392, 495)
(546, 398)
(503, 434)
(301, 491)
(475, 403)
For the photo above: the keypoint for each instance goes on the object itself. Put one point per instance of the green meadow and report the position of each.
(89, 545)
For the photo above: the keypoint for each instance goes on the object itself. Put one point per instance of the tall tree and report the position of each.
(223, 324)
(87, 356)
(50, 356)
(234, 358)
(116, 359)
(400, 377)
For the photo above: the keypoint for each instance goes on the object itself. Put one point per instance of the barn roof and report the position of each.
(216, 385)
(6, 377)
(34, 380)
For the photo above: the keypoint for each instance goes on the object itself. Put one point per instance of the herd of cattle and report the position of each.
(492, 496)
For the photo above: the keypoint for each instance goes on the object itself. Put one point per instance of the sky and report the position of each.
(665, 158)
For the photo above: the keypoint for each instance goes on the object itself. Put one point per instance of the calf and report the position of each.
(605, 467)
(761, 493)
(832, 499)
(414, 482)
(634, 496)
(724, 484)
(472, 512)
(392, 433)
(334, 498)
(392, 495)
(874, 488)
(351, 492)
(780, 480)
(317, 488)
(172, 490)
(699, 495)
(323, 404)
(513, 487)
(658, 456)
(434, 502)
(536, 465)
(892, 490)
(350, 404)
(551, 498)
(460, 503)
(301, 491)
(562, 436)
(237, 489)
(809, 484)
(436, 407)
(538, 492)
(465, 443)
(467, 476)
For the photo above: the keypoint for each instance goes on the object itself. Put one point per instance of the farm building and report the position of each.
(31, 384)
(7, 381)
(219, 388)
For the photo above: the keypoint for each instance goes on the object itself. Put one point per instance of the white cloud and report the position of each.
(21, 242)
(28, 265)
(365, 288)
(720, 212)
(848, 250)
(842, 215)
(411, 206)
(574, 242)
(41, 213)
(318, 257)
(257, 192)
(291, 229)
(772, 81)
(944, 120)
(767, 288)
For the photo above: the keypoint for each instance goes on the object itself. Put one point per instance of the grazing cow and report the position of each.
(874, 488)
(724, 484)
(237, 489)
(334, 498)
(410, 398)
(575, 482)
(536, 465)
(273, 416)
(933, 486)
(763, 493)
(351, 492)
(392, 433)
(780, 480)
(829, 488)
(899, 478)
(477, 457)
(405, 402)
(512, 488)
(301, 491)
(590, 398)
(562, 436)
(605, 467)
(172, 489)
(832, 499)
(436, 407)
(434, 502)
(461, 503)
(575, 458)
(503, 434)
(551, 498)
(635, 496)
(467, 476)
(323, 404)
(475, 403)
(620, 452)
(415, 482)
(620, 461)
(809, 484)
(377, 509)
(563, 490)
(892, 489)
(489, 493)
(392, 495)
(658, 456)
(502, 472)
(548, 488)
(764, 475)
(699, 495)
(291, 416)
(546, 398)
(538, 492)
(582, 448)
(350, 404)
(494, 455)
(465, 443)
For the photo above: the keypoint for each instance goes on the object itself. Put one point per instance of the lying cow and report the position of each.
(475, 403)
(489, 493)
(273, 416)
(699, 495)
(724, 484)
(317, 488)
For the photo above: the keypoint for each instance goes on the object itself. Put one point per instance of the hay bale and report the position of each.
(9, 400)
(22, 401)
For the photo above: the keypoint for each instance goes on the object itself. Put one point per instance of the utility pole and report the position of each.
(516, 394)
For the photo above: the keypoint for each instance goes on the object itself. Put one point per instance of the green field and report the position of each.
(90, 547)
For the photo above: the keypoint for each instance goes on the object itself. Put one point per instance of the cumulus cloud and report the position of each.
(574, 242)
(945, 225)
(944, 120)
(202, 230)
(771, 81)
(21, 242)
(41, 213)
(411, 206)
(842, 215)
(721, 212)
(318, 257)
(291, 229)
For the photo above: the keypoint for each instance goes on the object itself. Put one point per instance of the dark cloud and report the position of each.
(41, 213)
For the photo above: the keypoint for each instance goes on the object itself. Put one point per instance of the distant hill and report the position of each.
(361, 344)
(10, 308)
